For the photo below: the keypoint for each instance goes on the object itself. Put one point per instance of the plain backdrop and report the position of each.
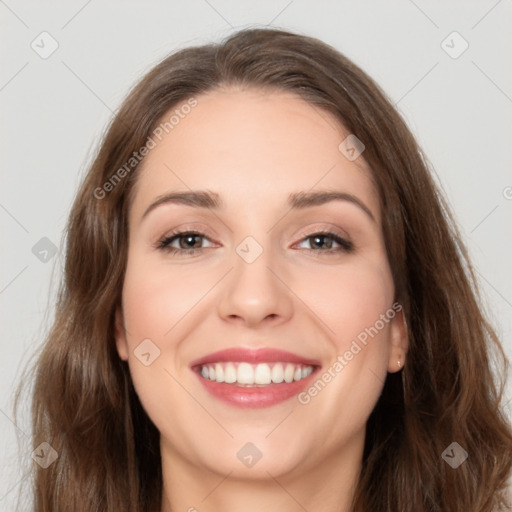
(55, 108)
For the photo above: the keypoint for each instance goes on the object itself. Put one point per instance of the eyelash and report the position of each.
(164, 244)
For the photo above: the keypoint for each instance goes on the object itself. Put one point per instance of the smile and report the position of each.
(254, 378)
(262, 374)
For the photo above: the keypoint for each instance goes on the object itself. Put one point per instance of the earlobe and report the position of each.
(399, 342)
(120, 335)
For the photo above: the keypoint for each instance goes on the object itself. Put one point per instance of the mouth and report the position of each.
(262, 374)
(254, 378)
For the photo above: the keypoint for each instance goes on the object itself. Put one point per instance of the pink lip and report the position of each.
(254, 397)
(262, 355)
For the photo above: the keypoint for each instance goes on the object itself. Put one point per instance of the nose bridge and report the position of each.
(253, 292)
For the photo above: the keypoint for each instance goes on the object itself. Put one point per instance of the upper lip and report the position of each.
(261, 355)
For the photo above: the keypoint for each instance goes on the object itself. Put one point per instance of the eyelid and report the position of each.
(327, 227)
(343, 240)
(203, 230)
(200, 229)
(182, 231)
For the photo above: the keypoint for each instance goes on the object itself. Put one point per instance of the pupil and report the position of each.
(189, 238)
(320, 237)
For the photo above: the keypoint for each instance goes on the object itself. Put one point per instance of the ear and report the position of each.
(120, 335)
(399, 342)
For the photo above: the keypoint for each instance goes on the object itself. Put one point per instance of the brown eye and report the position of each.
(325, 240)
(189, 242)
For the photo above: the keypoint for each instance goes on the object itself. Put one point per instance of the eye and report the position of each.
(326, 239)
(188, 242)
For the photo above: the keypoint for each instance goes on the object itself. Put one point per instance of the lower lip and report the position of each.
(255, 397)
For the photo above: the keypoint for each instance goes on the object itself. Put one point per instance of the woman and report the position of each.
(266, 303)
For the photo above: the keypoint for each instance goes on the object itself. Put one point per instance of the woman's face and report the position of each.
(305, 321)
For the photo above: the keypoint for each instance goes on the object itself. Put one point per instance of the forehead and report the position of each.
(254, 147)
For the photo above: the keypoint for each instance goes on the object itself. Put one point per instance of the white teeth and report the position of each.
(229, 373)
(219, 373)
(261, 374)
(306, 371)
(277, 374)
(245, 374)
(288, 373)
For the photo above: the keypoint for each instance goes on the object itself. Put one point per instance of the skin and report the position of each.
(254, 148)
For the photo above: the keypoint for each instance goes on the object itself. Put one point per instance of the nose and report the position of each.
(256, 293)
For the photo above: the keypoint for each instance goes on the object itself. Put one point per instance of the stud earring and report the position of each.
(399, 364)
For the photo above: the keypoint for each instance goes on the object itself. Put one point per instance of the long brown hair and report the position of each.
(84, 404)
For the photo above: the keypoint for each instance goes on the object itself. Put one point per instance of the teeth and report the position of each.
(229, 373)
(261, 374)
(245, 374)
(277, 373)
(219, 373)
(288, 373)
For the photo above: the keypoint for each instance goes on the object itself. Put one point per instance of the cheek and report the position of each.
(154, 302)
(155, 299)
(161, 304)
(348, 299)
(350, 305)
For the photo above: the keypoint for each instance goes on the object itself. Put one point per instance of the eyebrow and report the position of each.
(296, 201)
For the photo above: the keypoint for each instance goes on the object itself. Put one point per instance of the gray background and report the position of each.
(54, 111)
